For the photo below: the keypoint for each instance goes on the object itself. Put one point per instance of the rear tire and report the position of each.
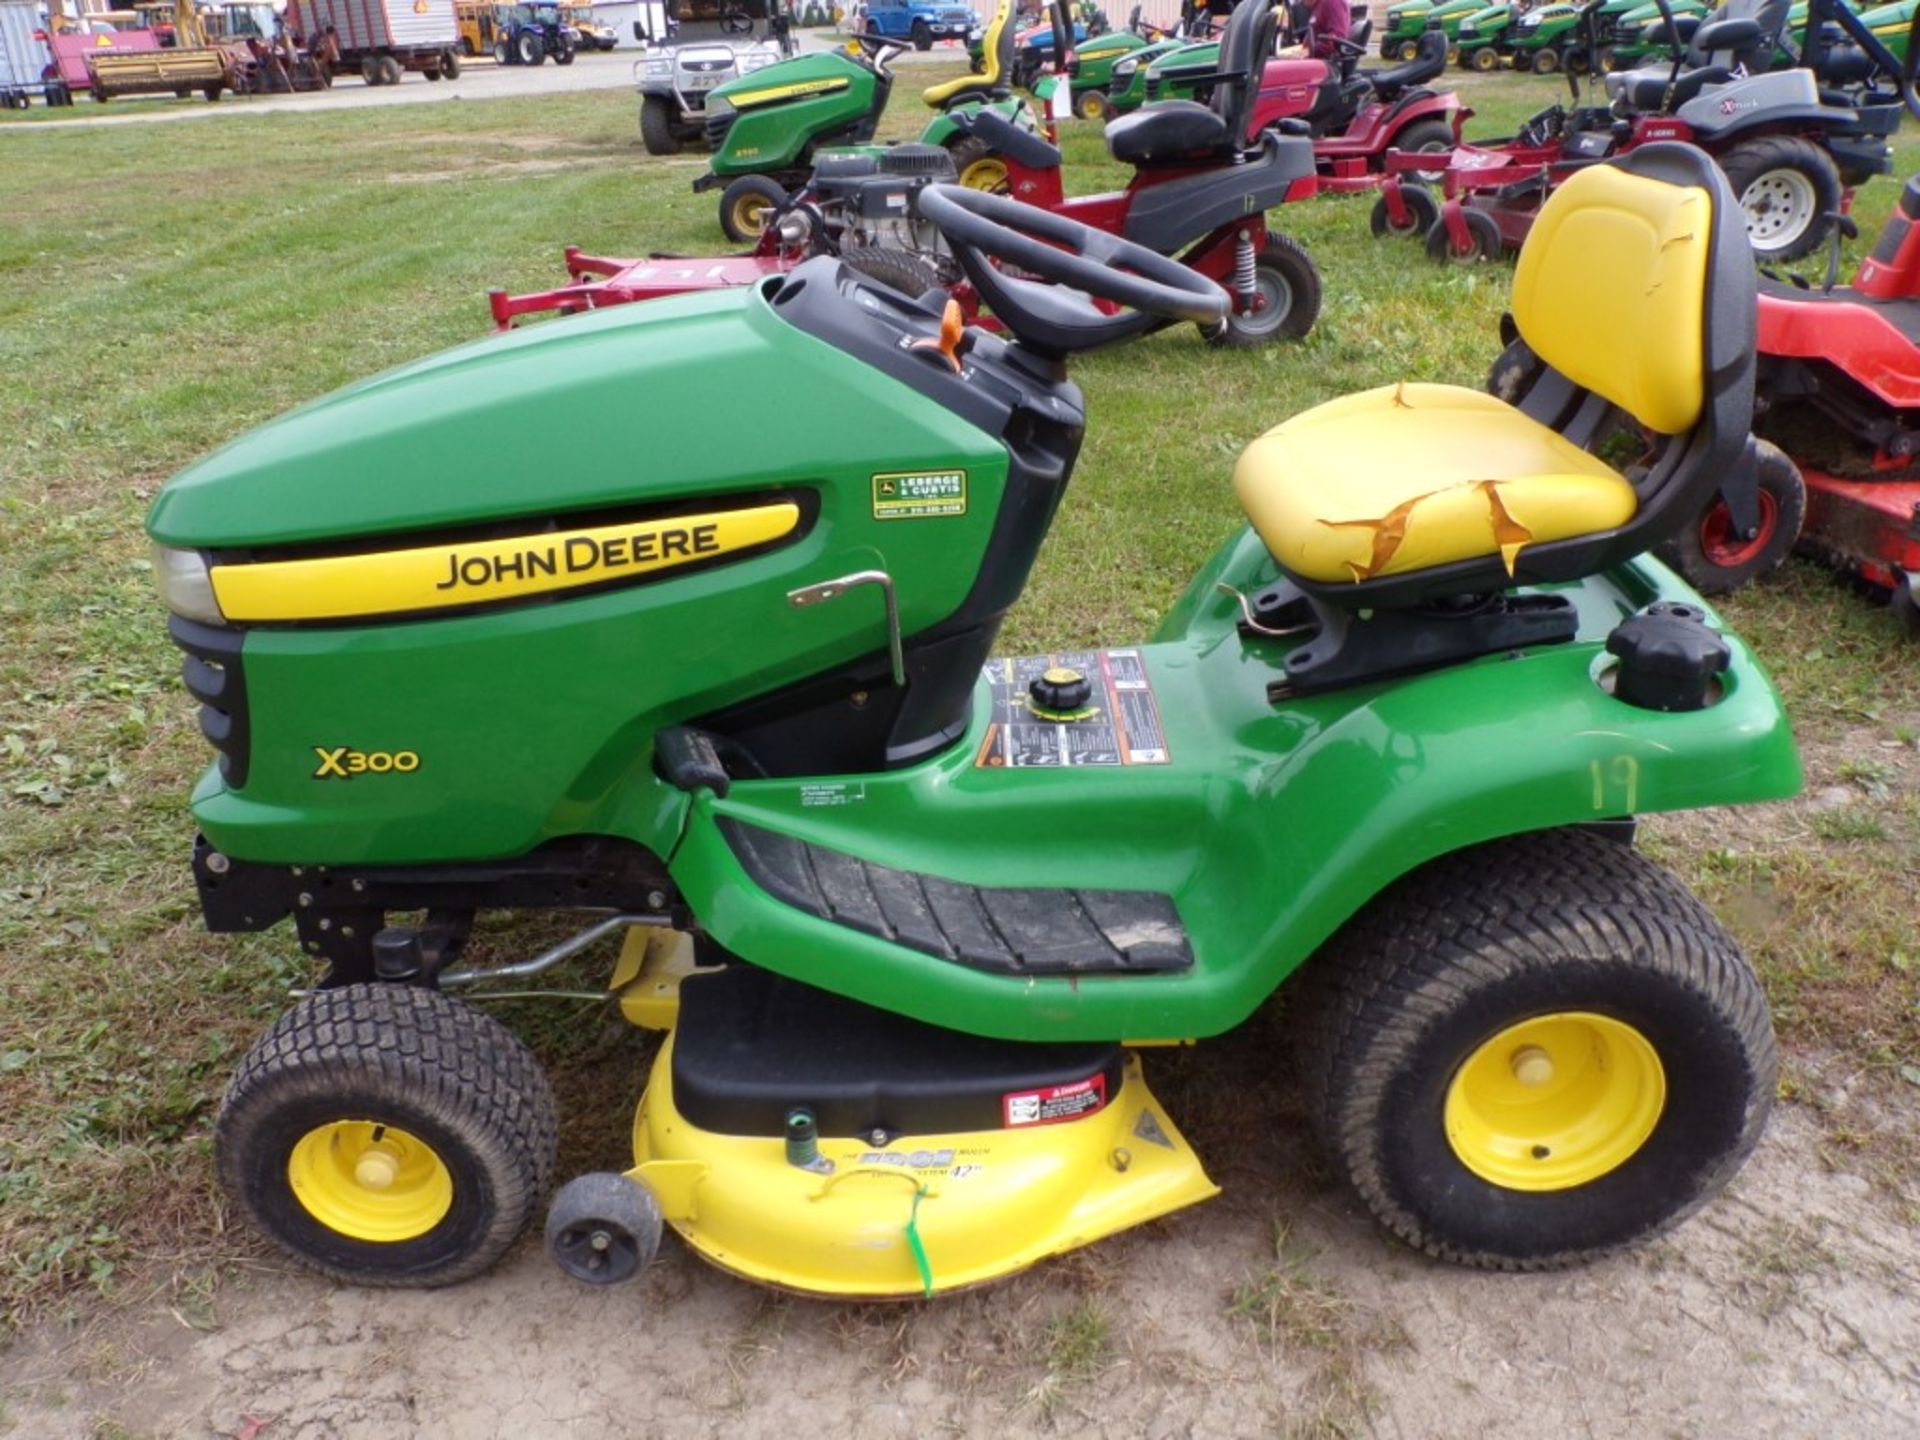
(1713, 560)
(1906, 608)
(1787, 186)
(1641, 1074)
(979, 166)
(1483, 241)
(656, 126)
(1428, 137)
(1289, 281)
(388, 1135)
(897, 269)
(527, 46)
(1423, 213)
(449, 65)
(744, 205)
(390, 71)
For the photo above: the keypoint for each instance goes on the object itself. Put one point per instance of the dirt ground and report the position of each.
(1789, 1308)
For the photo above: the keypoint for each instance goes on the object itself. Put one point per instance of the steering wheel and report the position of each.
(982, 227)
(735, 20)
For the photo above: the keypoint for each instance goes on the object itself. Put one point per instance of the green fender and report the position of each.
(941, 129)
(1270, 826)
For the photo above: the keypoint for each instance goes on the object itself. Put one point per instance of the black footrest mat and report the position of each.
(1006, 929)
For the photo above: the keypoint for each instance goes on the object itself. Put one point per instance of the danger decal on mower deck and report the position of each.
(1054, 1103)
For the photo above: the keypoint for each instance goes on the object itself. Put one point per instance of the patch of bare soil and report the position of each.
(1789, 1308)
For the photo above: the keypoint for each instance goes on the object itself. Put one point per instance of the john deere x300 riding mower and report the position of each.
(910, 911)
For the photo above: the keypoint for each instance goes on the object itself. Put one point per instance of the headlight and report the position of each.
(659, 69)
(718, 105)
(1393, 19)
(186, 584)
(755, 62)
(1125, 68)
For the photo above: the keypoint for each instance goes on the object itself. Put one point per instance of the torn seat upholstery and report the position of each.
(1632, 290)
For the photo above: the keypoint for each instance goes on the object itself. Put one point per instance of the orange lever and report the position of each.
(953, 332)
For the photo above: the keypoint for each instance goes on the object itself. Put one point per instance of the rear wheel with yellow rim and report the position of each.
(979, 166)
(388, 1135)
(1533, 1052)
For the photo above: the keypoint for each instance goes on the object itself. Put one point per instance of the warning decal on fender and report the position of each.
(1119, 725)
(1055, 1103)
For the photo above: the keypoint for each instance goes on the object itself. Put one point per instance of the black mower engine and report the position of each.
(869, 202)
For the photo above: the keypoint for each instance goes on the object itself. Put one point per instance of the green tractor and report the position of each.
(1090, 72)
(766, 128)
(1405, 24)
(1127, 90)
(1551, 38)
(1622, 27)
(1481, 41)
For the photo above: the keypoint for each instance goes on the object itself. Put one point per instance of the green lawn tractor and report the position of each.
(1090, 73)
(1405, 24)
(915, 917)
(766, 128)
(1622, 30)
(1481, 41)
(1549, 38)
(1127, 89)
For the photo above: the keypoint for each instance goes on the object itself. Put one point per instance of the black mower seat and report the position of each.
(1166, 130)
(1645, 89)
(1428, 61)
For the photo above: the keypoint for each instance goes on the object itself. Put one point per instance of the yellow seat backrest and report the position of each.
(1611, 291)
(938, 95)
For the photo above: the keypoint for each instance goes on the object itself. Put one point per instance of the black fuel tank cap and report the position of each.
(1669, 657)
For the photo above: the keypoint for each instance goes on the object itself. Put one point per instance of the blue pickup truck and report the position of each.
(919, 22)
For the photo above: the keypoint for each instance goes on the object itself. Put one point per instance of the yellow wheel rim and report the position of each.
(1555, 1102)
(749, 214)
(1090, 106)
(370, 1181)
(987, 174)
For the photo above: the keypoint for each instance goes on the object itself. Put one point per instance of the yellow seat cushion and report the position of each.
(938, 95)
(1611, 290)
(1413, 476)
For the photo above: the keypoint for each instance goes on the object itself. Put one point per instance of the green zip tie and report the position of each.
(917, 1245)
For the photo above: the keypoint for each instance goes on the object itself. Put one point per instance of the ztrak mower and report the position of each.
(1792, 152)
(908, 910)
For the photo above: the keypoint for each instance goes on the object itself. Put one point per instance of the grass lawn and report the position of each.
(164, 287)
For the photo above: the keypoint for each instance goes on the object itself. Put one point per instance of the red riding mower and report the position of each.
(1203, 181)
(1792, 154)
(1354, 116)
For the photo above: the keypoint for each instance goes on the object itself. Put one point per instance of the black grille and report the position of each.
(213, 677)
(717, 128)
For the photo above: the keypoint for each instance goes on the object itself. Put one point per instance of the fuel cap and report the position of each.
(1059, 690)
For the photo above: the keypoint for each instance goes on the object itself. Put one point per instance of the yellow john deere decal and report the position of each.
(787, 92)
(434, 577)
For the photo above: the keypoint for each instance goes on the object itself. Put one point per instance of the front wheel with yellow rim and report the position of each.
(388, 1135)
(748, 205)
(979, 166)
(1536, 1051)
(1092, 105)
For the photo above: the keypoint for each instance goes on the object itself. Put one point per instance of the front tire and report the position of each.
(1534, 1052)
(1485, 60)
(1289, 283)
(1787, 186)
(1092, 105)
(1713, 559)
(388, 1135)
(656, 126)
(1423, 213)
(1546, 61)
(745, 204)
(1483, 240)
(922, 37)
